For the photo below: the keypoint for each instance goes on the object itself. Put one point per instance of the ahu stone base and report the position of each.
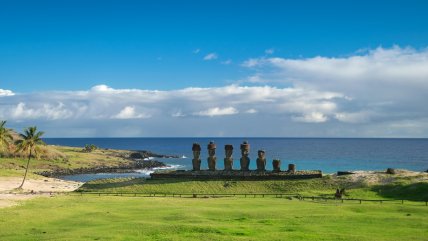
(235, 175)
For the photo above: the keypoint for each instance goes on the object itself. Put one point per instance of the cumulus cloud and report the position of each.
(129, 113)
(178, 113)
(6, 93)
(381, 84)
(102, 88)
(313, 117)
(217, 111)
(104, 102)
(379, 92)
(185, 109)
(226, 62)
(251, 111)
(391, 68)
(211, 56)
(269, 51)
(44, 111)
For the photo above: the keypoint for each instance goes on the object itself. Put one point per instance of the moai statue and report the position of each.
(228, 161)
(291, 168)
(245, 160)
(276, 164)
(338, 194)
(212, 159)
(261, 161)
(196, 161)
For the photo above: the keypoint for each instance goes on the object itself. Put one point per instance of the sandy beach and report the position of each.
(32, 188)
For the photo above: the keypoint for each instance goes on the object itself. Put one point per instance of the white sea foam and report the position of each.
(151, 170)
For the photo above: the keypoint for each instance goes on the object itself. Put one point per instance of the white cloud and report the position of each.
(217, 111)
(178, 113)
(269, 51)
(380, 92)
(102, 88)
(252, 62)
(226, 62)
(251, 111)
(196, 51)
(313, 117)
(211, 56)
(378, 84)
(103, 102)
(129, 113)
(45, 111)
(6, 93)
(355, 117)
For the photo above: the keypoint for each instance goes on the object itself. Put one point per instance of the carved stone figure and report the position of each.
(212, 159)
(245, 160)
(261, 161)
(276, 164)
(339, 193)
(291, 168)
(196, 161)
(228, 161)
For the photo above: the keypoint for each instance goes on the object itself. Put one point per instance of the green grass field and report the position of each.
(399, 188)
(136, 218)
(92, 217)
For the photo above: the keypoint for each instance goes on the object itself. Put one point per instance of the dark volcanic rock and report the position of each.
(342, 173)
(146, 154)
(148, 164)
(104, 169)
(151, 154)
(136, 155)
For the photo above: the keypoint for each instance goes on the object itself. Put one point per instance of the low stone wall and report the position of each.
(235, 175)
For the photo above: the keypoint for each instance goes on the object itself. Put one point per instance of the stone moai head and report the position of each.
(261, 154)
(291, 167)
(245, 149)
(196, 148)
(211, 148)
(228, 150)
(276, 164)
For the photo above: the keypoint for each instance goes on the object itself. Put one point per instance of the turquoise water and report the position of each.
(327, 154)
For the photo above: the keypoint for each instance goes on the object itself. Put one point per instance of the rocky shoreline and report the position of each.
(137, 164)
(141, 154)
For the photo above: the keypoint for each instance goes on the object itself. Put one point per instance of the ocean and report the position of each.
(326, 154)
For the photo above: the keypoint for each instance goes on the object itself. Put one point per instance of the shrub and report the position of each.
(90, 148)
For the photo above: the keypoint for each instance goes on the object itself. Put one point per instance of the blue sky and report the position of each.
(54, 52)
(71, 45)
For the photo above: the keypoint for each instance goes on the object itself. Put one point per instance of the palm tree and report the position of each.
(29, 143)
(5, 136)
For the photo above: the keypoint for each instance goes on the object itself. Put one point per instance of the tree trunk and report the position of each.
(26, 170)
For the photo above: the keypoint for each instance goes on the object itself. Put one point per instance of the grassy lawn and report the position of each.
(130, 218)
(401, 188)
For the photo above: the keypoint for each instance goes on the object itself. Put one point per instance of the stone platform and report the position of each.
(235, 175)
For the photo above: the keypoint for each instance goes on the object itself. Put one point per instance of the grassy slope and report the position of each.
(70, 158)
(129, 218)
(400, 188)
